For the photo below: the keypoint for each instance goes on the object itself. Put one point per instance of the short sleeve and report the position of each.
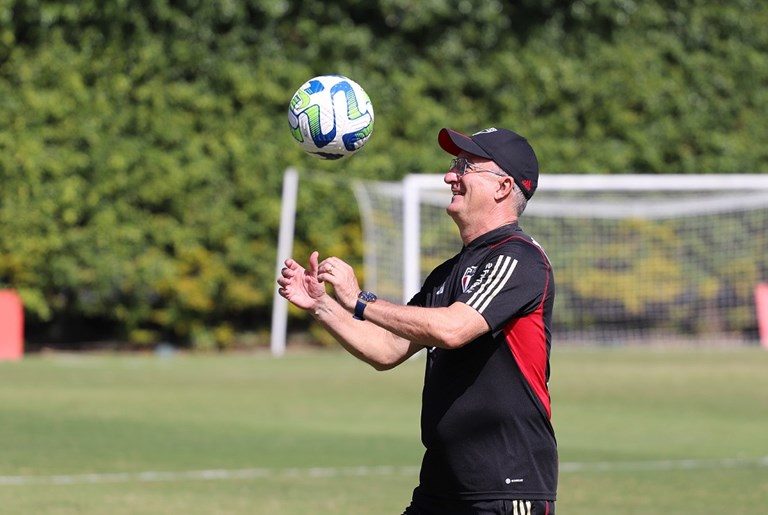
(426, 296)
(419, 299)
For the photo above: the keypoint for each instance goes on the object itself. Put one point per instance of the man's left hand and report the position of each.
(341, 276)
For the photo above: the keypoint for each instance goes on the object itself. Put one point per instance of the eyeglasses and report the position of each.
(461, 167)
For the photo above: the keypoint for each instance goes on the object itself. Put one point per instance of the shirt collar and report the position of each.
(494, 235)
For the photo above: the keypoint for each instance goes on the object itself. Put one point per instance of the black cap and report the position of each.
(506, 148)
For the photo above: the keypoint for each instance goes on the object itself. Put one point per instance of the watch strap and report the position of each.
(359, 309)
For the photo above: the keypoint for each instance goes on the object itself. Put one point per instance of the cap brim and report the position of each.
(455, 142)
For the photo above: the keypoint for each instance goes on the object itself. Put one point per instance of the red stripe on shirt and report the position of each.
(527, 340)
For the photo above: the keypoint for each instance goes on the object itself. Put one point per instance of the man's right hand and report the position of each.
(300, 286)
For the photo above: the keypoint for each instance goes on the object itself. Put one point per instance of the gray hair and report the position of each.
(519, 199)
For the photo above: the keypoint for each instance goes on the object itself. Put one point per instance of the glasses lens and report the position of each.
(459, 166)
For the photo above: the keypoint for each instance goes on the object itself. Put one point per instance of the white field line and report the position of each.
(209, 475)
(362, 471)
(660, 465)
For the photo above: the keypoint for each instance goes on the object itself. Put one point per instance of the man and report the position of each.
(484, 316)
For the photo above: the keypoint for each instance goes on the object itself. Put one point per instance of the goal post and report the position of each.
(279, 327)
(670, 258)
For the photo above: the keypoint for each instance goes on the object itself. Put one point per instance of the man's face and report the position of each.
(473, 181)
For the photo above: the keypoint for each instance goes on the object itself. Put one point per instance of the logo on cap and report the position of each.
(486, 131)
(527, 184)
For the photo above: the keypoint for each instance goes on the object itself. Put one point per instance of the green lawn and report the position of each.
(676, 431)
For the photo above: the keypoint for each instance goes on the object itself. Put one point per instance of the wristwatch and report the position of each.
(363, 299)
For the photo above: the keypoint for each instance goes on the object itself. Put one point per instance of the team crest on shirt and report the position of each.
(481, 279)
(467, 277)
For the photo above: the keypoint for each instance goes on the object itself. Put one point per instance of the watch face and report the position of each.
(367, 296)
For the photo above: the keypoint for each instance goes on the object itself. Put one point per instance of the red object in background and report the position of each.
(761, 302)
(11, 326)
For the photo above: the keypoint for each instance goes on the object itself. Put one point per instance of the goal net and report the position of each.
(644, 258)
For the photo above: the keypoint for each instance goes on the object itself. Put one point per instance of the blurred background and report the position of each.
(143, 146)
(143, 143)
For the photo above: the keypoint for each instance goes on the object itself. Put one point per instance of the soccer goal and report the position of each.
(638, 258)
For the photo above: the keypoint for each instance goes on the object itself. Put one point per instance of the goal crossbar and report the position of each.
(417, 188)
(667, 258)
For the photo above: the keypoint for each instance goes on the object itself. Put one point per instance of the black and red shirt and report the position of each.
(486, 410)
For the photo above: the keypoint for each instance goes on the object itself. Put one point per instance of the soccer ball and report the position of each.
(331, 116)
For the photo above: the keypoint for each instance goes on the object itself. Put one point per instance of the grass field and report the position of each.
(675, 431)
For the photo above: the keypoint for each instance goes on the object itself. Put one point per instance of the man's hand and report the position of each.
(342, 277)
(300, 286)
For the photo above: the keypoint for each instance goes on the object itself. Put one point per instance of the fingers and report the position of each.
(326, 269)
(286, 274)
(331, 269)
(336, 272)
(333, 264)
(341, 276)
(313, 267)
(292, 268)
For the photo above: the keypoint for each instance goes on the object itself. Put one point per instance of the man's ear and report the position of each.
(505, 189)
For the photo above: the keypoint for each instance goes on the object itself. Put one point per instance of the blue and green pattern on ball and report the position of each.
(352, 139)
(316, 99)
(301, 103)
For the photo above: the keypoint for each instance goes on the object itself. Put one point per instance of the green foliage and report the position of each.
(142, 143)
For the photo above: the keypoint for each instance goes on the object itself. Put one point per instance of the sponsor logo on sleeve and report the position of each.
(493, 279)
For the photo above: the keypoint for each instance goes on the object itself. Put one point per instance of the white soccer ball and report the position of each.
(331, 116)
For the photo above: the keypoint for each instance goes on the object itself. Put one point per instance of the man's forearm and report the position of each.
(368, 342)
(446, 327)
